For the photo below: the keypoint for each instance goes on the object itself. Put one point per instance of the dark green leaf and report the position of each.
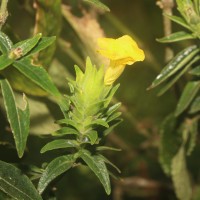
(97, 165)
(98, 4)
(43, 43)
(178, 62)
(37, 74)
(59, 144)
(195, 107)
(5, 61)
(19, 119)
(175, 37)
(177, 76)
(55, 168)
(195, 71)
(187, 96)
(5, 43)
(23, 47)
(180, 176)
(170, 141)
(15, 184)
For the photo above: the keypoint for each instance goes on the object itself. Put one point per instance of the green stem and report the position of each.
(3, 12)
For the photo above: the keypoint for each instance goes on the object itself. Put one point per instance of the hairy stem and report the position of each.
(3, 12)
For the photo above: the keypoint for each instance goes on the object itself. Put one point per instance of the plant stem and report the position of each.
(3, 12)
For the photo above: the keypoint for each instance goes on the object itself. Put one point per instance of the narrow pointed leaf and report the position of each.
(19, 119)
(5, 43)
(55, 168)
(37, 74)
(93, 136)
(175, 37)
(195, 107)
(5, 61)
(59, 144)
(106, 148)
(178, 62)
(66, 131)
(22, 48)
(15, 184)
(178, 20)
(98, 4)
(97, 165)
(187, 96)
(195, 71)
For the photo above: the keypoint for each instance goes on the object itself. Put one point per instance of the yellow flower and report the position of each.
(121, 52)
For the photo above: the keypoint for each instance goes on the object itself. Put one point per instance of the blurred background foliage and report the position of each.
(76, 29)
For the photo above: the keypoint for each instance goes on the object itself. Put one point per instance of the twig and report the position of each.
(3, 12)
(166, 6)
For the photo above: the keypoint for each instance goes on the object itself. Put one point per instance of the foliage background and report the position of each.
(142, 110)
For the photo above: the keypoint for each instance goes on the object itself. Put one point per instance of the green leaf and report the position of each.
(19, 119)
(170, 141)
(15, 184)
(97, 165)
(37, 74)
(5, 43)
(187, 96)
(192, 127)
(195, 71)
(100, 122)
(178, 62)
(23, 47)
(59, 144)
(105, 148)
(5, 61)
(55, 168)
(195, 107)
(93, 136)
(178, 20)
(177, 76)
(66, 131)
(175, 37)
(180, 176)
(98, 4)
(113, 108)
(43, 43)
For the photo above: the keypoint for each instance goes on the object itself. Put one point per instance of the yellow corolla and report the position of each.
(121, 52)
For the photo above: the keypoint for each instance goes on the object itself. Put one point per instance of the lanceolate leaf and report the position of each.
(178, 62)
(97, 165)
(98, 4)
(5, 61)
(175, 37)
(187, 96)
(15, 184)
(19, 119)
(173, 81)
(55, 168)
(180, 176)
(195, 71)
(179, 21)
(195, 107)
(37, 74)
(59, 144)
(5, 43)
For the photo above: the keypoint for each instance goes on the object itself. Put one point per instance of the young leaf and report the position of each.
(178, 62)
(19, 119)
(59, 144)
(5, 43)
(55, 168)
(93, 136)
(175, 37)
(180, 176)
(37, 74)
(97, 165)
(187, 96)
(66, 131)
(15, 184)
(98, 4)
